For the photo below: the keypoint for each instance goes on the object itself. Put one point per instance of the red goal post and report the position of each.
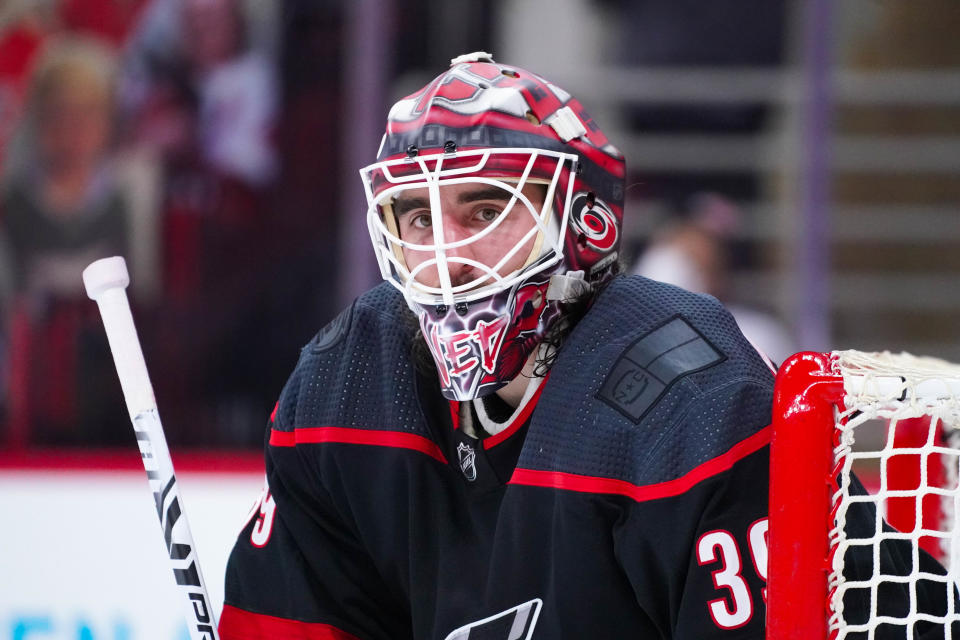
(822, 403)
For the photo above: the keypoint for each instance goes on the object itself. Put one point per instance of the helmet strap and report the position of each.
(568, 286)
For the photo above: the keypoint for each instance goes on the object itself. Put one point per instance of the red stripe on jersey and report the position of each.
(528, 408)
(237, 624)
(642, 493)
(344, 435)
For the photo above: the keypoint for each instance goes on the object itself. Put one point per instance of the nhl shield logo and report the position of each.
(468, 458)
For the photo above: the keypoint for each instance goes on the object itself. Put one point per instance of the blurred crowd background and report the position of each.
(800, 160)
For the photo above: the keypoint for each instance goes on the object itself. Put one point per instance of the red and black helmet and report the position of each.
(499, 127)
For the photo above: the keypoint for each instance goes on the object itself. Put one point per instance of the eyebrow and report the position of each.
(402, 205)
(486, 193)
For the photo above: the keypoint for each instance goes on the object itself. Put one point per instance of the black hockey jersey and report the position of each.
(629, 502)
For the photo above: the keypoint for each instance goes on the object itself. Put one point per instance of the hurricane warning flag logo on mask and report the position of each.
(471, 212)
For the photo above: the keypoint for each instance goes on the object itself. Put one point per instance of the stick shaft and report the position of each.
(142, 407)
(127, 354)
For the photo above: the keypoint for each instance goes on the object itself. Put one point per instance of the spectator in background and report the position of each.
(24, 25)
(195, 79)
(236, 91)
(61, 207)
(60, 204)
(201, 96)
(693, 252)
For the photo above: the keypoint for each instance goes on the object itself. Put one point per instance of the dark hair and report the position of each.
(573, 310)
(419, 352)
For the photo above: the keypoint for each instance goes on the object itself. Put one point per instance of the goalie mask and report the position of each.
(495, 198)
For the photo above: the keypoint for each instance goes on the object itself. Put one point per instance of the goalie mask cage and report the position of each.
(824, 402)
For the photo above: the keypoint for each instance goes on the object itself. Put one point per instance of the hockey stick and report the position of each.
(106, 281)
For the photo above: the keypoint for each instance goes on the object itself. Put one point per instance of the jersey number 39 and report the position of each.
(735, 608)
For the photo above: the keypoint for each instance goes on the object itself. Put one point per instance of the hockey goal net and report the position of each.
(890, 421)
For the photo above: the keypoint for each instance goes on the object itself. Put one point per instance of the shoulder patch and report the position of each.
(333, 333)
(652, 363)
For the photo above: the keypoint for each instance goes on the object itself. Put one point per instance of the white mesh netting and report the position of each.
(898, 432)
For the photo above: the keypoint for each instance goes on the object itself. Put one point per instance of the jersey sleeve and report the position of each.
(270, 591)
(297, 569)
(700, 572)
(694, 548)
(301, 560)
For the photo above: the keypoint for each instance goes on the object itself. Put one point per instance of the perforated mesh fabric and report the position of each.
(366, 380)
(699, 417)
(361, 377)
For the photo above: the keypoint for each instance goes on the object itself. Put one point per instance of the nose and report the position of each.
(454, 230)
(460, 273)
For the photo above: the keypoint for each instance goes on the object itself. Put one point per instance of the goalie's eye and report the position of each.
(420, 220)
(488, 214)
